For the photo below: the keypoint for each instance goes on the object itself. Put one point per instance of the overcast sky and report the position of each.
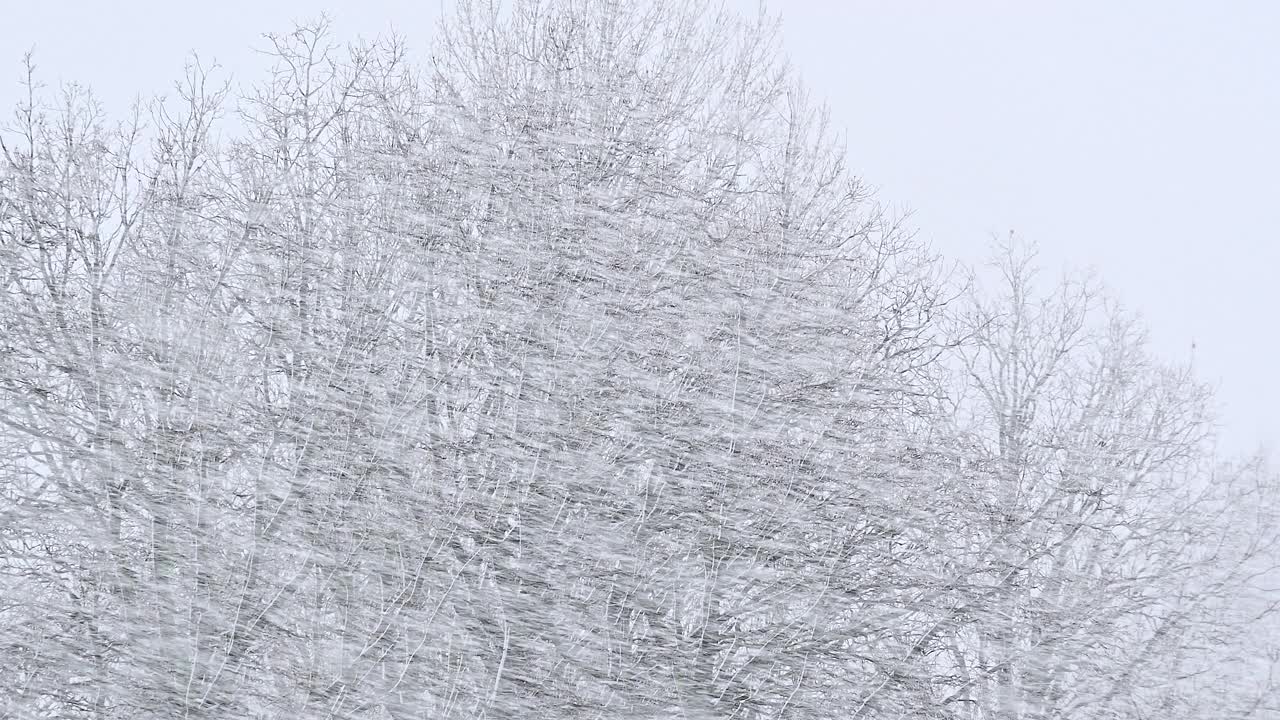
(1140, 138)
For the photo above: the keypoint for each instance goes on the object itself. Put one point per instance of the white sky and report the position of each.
(1141, 138)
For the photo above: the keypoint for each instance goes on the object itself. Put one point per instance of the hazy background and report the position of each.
(1138, 138)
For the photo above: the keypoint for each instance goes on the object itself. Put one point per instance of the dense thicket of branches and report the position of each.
(574, 375)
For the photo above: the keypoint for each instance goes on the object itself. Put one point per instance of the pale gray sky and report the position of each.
(1142, 138)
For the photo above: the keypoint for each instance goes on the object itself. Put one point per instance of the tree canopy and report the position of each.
(575, 374)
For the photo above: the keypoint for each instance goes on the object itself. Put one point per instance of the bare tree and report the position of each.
(1110, 541)
(573, 374)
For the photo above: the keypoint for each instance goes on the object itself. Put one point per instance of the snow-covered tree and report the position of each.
(1115, 541)
(572, 374)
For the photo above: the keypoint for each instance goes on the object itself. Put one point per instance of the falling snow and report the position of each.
(573, 374)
